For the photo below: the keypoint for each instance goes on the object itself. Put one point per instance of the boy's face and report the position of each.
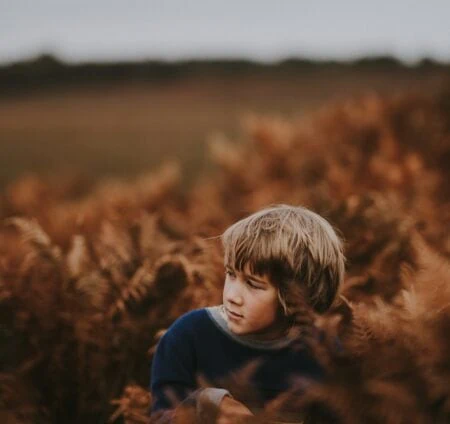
(255, 299)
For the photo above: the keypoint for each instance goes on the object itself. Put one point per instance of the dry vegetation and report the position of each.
(91, 276)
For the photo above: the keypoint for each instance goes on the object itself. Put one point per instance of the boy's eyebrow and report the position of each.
(251, 276)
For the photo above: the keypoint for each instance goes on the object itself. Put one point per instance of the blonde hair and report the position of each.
(296, 248)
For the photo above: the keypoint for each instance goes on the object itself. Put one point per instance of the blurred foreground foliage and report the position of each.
(90, 277)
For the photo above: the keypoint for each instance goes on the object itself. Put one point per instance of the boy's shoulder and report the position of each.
(192, 316)
(189, 323)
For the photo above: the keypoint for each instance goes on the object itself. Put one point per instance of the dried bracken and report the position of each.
(91, 276)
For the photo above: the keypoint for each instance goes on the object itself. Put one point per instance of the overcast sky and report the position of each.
(263, 30)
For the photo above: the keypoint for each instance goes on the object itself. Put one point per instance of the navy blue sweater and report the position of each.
(199, 343)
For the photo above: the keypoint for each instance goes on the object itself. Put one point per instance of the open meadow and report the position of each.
(124, 128)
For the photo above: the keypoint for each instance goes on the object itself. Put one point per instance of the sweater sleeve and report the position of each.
(173, 369)
(173, 378)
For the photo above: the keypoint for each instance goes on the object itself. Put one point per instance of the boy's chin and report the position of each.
(241, 331)
(236, 329)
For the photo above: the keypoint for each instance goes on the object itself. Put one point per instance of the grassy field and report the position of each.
(122, 129)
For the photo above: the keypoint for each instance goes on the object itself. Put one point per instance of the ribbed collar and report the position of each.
(217, 318)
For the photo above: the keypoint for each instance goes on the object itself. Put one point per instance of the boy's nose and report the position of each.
(234, 296)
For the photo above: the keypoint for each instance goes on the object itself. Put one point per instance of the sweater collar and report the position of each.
(221, 323)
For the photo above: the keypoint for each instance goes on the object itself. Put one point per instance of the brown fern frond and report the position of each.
(117, 241)
(93, 289)
(34, 235)
(134, 293)
(78, 260)
(133, 405)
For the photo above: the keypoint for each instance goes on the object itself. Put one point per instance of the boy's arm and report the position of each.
(204, 403)
(173, 383)
(173, 367)
(205, 407)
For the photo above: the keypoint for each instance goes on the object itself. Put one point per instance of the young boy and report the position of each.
(280, 262)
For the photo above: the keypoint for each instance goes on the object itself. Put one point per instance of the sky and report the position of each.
(261, 30)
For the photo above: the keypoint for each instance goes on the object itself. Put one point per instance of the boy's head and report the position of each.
(288, 245)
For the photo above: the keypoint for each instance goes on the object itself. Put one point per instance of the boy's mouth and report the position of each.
(233, 314)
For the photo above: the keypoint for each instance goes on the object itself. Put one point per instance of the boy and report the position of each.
(281, 263)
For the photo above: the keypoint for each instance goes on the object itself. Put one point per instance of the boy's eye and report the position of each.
(253, 285)
(249, 282)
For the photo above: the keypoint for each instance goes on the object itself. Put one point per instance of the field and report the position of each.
(124, 128)
(93, 270)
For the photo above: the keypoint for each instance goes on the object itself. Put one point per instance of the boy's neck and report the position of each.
(266, 344)
(275, 332)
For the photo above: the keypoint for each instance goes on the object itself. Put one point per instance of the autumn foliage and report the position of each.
(90, 276)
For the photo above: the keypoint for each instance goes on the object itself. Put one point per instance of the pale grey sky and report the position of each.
(84, 30)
